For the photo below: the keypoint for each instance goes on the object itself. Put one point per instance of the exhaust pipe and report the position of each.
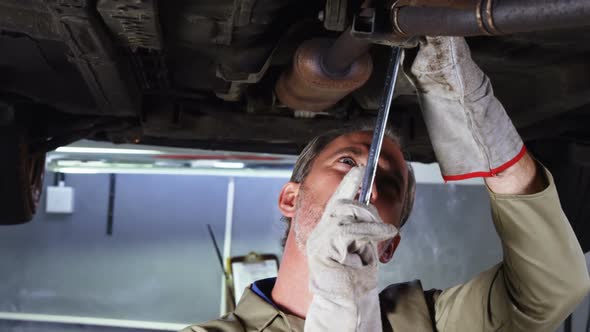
(486, 17)
(323, 72)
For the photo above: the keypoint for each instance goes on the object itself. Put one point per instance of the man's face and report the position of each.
(332, 164)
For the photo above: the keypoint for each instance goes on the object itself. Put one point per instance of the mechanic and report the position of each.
(328, 277)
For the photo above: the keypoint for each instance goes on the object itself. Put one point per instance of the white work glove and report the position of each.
(471, 134)
(342, 258)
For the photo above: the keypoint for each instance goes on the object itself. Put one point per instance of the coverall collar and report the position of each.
(265, 316)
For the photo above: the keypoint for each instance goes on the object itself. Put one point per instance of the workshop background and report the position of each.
(150, 265)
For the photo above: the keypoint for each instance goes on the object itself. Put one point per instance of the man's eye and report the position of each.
(347, 160)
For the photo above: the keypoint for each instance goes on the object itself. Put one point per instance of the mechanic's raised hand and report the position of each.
(471, 133)
(342, 257)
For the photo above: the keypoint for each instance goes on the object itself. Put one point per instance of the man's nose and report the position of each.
(374, 194)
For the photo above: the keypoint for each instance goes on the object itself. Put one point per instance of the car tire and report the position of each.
(572, 179)
(21, 177)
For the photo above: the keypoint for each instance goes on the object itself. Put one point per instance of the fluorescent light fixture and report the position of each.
(77, 170)
(75, 149)
(68, 163)
(424, 173)
(228, 164)
(203, 163)
(75, 163)
(217, 164)
(243, 172)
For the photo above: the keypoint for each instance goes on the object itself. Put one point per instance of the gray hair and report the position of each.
(316, 146)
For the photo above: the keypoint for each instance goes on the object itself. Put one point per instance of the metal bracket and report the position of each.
(371, 24)
(374, 25)
(336, 15)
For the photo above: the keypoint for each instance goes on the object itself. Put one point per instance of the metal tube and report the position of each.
(380, 126)
(435, 21)
(489, 17)
(308, 86)
(533, 15)
(345, 50)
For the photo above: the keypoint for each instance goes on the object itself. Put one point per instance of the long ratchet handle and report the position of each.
(380, 126)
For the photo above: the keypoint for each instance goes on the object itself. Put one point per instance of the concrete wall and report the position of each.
(159, 264)
(448, 239)
(257, 225)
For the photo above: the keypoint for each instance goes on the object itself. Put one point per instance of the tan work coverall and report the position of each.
(542, 277)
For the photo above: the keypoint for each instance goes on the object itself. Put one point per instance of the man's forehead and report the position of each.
(359, 143)
(362, 140)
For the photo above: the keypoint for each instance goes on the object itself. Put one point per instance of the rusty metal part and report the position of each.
(490, 18)
(479, 18)
(344, 51)
(397, 30)
(307, 86)
(486, 17)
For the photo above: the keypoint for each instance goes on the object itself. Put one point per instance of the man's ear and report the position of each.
(387, 255)
(288, 198)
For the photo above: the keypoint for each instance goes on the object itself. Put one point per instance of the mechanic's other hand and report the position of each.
(471, 133)
(343, 262)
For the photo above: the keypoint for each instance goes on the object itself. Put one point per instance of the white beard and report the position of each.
(306, 218)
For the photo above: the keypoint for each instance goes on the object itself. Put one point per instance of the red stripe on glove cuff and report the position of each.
(492, 172)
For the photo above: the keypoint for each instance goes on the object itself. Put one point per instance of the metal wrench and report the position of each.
(380, 126)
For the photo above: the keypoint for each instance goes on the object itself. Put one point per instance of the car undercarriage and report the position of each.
(203, 74)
